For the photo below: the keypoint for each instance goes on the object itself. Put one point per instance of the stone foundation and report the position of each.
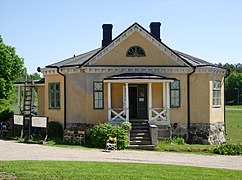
(201, 133)
(207, 133)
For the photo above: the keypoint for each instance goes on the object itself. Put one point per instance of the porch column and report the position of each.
(32, 103)
(19, 100)
(164, 95)
(127, 101)
(168, 100)
(109, 101)
(150, 101)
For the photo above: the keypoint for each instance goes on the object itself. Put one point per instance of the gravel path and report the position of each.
(10, 150)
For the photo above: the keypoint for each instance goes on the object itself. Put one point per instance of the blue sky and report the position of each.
(45, 31)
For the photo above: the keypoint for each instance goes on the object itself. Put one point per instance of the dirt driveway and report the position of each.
(10, 150)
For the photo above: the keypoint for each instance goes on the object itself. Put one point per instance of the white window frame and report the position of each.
(216, 97)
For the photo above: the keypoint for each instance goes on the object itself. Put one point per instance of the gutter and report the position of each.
(64, 76)
(189, 103)
(58, 71)
(225, 127)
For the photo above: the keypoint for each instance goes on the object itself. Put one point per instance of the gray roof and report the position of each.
(79, 60)
(194, 61)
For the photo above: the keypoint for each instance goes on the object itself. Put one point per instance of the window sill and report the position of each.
(216, 106)
(53, 108)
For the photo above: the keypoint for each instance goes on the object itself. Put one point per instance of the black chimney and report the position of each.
(155, 30)
(107, 34)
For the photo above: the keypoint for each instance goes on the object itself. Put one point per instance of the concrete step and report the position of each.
(139, 138)
(146, 147)
(139, 123)
(139, 131)
(140, 142)
(138, 120)
(140, 127)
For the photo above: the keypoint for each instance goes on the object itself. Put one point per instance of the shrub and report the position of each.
(228, 149)
(6, 115)
(100, 133)
(178, 140)
(55, 130)
(126, 126)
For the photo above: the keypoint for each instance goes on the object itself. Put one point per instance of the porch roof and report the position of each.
(138, 77)
(40, 82)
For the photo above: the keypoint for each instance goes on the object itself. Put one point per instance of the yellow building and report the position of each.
(135, 77)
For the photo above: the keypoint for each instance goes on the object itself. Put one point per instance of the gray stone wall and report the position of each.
(207, 133)
(201, 133)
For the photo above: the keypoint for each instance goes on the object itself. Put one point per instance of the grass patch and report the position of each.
(106, 170)
(187, 148)
(234, 126)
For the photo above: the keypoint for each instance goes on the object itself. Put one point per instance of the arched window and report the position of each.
(135, 51)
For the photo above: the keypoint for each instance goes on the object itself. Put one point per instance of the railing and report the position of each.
(117, 113)
(160, 114)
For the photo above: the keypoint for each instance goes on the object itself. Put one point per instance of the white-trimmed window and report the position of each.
(98, 102)
(216, 93)
(54, 95)
(135, 51)
(175, 93)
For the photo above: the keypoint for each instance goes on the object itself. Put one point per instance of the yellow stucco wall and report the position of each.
(179, 114)
(55, 114)
(216, 113)
(118, 55)
(199, 85)
(41, 101)
(76, 97)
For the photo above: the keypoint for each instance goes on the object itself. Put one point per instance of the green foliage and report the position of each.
(55, 130)
(6, 115)
(4, 104)
(101, 132)
(126, 126)
(11, 67)
(229, 149)
(178, 140)
(234, 80)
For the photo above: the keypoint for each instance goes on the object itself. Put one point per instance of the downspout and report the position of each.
(58, 71)
(189, 103)
(225, 127)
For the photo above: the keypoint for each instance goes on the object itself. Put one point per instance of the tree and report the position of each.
(233, 81)
(11, 67)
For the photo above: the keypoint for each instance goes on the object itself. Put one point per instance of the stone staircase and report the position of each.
(140, 135)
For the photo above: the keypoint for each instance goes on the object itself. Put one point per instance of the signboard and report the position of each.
(18, 119)
(39, 121)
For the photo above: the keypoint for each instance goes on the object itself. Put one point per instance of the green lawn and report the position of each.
(234, 126)
(105, 170)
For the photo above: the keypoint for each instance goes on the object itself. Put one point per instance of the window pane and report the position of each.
(98, 95)
(175, 93)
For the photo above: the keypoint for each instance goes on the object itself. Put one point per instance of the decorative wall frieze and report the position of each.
(183, 70)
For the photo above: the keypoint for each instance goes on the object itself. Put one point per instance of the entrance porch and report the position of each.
(144, 96)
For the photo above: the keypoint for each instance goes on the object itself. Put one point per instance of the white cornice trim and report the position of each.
(65, 70)
(129, 32)
(210, 70)
(181, 70)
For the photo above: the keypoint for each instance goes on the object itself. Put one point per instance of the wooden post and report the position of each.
(19, 99)
(109, 102)
(127, 101)
(150, 101)
(168, 101)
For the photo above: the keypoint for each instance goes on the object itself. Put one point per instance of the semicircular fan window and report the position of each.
(135, 51)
